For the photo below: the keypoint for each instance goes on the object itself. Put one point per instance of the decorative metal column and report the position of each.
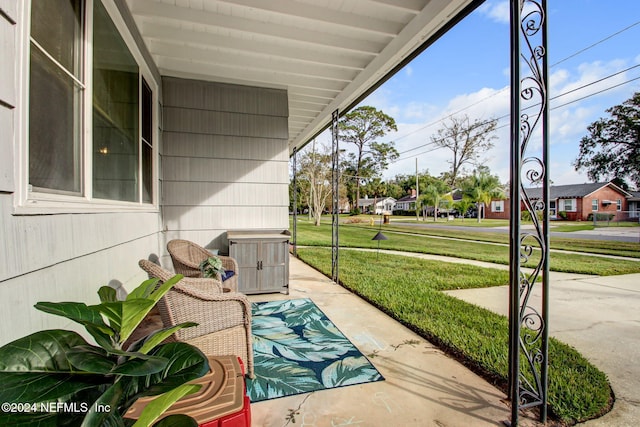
(528, 319)
(295, 203)
(335, 184)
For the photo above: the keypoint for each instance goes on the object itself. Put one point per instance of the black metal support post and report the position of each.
(335, 182)
(528, 325)
(295, 203)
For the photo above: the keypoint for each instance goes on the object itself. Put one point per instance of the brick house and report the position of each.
(577, 201)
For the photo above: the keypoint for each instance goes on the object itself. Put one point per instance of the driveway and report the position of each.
(599, 316)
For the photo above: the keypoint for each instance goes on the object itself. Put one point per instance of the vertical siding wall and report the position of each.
(225, 160)
(63, 257)
(8, 31)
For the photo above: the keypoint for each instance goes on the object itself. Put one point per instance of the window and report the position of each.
(56, 79)
(594, 204)
(91, 115)
(568, 205)
(497, 206)
(619, 205)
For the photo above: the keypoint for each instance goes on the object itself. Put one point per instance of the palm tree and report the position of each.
(435, 195)
(481, 188)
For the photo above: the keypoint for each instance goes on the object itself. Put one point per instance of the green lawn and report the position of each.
(408, 289)
(359, 235)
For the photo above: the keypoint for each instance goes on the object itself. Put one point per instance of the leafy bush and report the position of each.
(562, 215)
(601, 216)
(59, 367)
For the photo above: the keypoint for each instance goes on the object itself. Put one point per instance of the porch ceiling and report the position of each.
(325, 53)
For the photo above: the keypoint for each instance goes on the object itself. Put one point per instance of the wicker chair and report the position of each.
(187, 256)
(224, 318)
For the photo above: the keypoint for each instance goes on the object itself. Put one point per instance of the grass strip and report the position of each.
(408, 289)
(360, 237)
(602, 247)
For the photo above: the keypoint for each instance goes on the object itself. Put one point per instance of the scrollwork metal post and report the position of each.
(528, 325)
(335, 182)
(295, 203)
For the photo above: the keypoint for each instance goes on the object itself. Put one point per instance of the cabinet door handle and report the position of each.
(259, 265)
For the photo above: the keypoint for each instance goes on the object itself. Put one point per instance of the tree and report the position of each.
(612, 148)
(434, 194)
(466, 140)
(463, 205)
(316, 168)
(363, 127)
(481, 188)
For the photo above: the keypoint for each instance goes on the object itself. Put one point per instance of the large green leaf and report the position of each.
(149, 342)
(275, 377)
(91, 359)
(186, 363)
(125, 316)
(107, 294)
(350, 370)
(144, 290)
(160, 404)
(271, 334)
(325, 334)
(111, 399)
(82, 314)
(40, 358)
(156, 292)
(43, 351)
(141, 367)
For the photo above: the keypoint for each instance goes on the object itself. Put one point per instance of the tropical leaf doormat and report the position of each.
(297, 349)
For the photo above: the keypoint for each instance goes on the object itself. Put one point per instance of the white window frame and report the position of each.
(497, 206)
(618, 205)
(594, 205)
(573, 203)
(28, 202)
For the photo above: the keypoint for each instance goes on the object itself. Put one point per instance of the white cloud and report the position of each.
(496, 11)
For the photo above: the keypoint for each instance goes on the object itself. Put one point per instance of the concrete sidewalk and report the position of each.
(600, 317)
(423, 386)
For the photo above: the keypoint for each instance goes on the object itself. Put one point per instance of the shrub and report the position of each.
(601, 217)
(562, 214)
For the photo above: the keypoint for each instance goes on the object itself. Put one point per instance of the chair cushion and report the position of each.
(227, 274)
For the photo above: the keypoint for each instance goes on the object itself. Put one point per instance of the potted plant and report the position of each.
(212, 268)
(55, 377)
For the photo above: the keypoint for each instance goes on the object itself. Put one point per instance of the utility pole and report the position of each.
(417, 192)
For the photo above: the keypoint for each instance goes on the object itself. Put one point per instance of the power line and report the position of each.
(533, 106)
(506, 88)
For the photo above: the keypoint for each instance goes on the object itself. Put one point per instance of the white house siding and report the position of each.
(224, 160)
(8, 31)
(66, 258)
(60, 257)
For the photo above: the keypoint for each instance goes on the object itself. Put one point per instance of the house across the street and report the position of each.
(377, 205)
(579, 202)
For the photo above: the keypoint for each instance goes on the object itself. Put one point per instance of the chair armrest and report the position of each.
(208, 286)
(229, 263)
(212, 311)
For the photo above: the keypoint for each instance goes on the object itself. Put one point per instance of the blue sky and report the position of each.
(468, 68)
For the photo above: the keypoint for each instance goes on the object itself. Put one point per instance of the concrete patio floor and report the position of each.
(422, 387)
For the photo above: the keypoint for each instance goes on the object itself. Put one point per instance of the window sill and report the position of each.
(48, 205)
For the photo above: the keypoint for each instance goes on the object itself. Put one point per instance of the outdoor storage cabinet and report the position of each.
(263, 261)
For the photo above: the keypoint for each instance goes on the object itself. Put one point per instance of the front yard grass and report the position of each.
(408, 289)
(419, 241)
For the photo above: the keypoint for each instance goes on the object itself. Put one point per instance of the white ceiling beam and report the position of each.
(323, 14)
(240, 75)
(435, 15)
(155, 10)
(256, 62)
(356, 61)
(413, 6)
